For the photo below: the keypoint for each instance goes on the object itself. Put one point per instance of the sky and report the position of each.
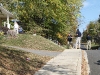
(90, 12)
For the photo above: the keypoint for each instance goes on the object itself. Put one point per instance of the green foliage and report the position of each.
(1, 33)
(53, 16)
(93, 29)
(1, 36)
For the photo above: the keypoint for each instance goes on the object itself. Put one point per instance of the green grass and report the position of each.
(33, 42)
(15, 62)
(95, 46)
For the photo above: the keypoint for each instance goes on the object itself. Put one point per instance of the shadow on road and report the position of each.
(98, 62)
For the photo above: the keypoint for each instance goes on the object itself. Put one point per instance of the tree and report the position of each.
(93, 29)
(51, 16)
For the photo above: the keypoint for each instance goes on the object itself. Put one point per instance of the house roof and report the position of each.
(4, 13)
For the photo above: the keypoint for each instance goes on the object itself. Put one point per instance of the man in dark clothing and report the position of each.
(69, 40)
(78, 39)
(88, 37)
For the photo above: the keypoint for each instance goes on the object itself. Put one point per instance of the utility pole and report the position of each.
(99, 19)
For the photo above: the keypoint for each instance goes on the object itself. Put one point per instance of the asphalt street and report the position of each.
(94, 61)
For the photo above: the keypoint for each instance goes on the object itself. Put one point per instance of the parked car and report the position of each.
(20, 30)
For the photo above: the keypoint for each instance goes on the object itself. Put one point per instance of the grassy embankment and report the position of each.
(17, 62)
(33, 42)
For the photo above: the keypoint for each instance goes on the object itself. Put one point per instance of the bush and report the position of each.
(4, 29)
(1, 35)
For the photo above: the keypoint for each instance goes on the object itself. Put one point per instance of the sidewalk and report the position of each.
(66, 63)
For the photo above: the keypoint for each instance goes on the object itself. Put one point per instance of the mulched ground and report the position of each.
(84, 65)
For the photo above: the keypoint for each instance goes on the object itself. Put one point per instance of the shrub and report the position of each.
(4, 29)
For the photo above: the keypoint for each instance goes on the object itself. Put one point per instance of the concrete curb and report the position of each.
(79, 63)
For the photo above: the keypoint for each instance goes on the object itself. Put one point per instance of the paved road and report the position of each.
(94, 61)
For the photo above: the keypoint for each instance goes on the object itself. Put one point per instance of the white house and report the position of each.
(5, 15)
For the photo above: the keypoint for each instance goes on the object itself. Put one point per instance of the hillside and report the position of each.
(17, 62)
(32, 42)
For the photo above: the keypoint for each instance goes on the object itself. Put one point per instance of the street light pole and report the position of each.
(99, 19)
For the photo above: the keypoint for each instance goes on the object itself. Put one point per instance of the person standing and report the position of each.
(88, 38)
(78, 39)
(69, 41)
